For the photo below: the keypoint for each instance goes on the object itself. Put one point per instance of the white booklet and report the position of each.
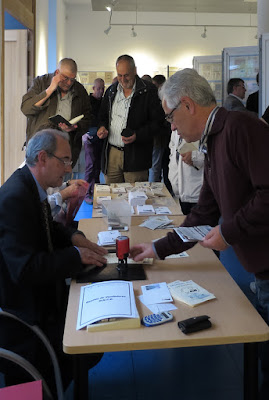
(193, 233)
(189, 292)
(108, 238)
(106, 300)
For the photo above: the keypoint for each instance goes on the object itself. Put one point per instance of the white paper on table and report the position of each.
(159, 307)
(156, 222)
(162, 210)
(109, 299)
(156, 293)
(179, 255)
(113, 259)
(106, 238)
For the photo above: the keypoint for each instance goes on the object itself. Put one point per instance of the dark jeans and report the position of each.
(262, 293)
(92, 163)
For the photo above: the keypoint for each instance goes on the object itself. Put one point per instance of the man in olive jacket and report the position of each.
(129, 118)
(58, 93)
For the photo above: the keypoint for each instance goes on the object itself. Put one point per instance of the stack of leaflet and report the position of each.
(157, 297)
(158, 222)
(102, 188)
(108, 238)
(137, 198)
(193, 233)
(146, 209)
(189, 292)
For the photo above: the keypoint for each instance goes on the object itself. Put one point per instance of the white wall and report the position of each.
(61, 22)
(155, 47)
(42, 37)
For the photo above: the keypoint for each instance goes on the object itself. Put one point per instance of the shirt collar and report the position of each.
(120, 89)
(208, 127)
(238, 98)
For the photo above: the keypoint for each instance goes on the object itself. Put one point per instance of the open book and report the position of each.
(57, 119)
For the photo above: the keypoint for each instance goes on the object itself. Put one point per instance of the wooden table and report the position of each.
(166, 201)
(234, 319)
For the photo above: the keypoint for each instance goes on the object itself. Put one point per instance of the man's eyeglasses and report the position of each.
(66, 78)
(169, 117)
(62, 160)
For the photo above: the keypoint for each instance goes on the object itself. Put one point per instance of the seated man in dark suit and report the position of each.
(37, 253)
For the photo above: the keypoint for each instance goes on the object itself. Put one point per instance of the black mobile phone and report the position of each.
(127, 132)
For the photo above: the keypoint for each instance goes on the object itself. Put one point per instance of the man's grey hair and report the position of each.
(126, 57)
(43, 140)
(70, 64)
(187, 82)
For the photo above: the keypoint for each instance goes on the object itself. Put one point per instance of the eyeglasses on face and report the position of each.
(62, 160)
(66, 78)
(169, 117)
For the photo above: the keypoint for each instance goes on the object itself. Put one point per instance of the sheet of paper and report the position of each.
(158, 307)
(107, 238)
(193, 233)
(113, 259)
(179, 255)
(162, 210)
(156, 222)
(109, 299)
(156, 293)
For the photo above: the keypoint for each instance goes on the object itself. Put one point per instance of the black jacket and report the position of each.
(144, 118)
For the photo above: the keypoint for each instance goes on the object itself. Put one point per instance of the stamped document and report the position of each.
(105, 300)
(193, 233)
(156, 293)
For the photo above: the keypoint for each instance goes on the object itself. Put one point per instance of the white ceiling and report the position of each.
(204, 6)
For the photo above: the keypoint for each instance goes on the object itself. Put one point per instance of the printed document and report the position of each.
(105, 300)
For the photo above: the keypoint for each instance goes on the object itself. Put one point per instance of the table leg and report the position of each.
(80, 378)
(251, 371)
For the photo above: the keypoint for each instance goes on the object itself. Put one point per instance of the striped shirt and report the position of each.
(119, 116)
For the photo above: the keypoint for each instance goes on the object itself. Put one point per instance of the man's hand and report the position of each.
(102, 132)
(54, 84)
(67, 128)
(90, 257)
(141, 251)
(80, 241)
(128, 140)
(213, 240)
(186, 158)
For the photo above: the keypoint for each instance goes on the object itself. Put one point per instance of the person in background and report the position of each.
(58, 93)
(92, 143)
(37, 254)
(146, 78)
(186, 172)
(129, 117)
(236, 93)
(235, 186)
(253, 99)
(160, 153)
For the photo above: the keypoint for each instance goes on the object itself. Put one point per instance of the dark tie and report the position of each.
(46, 213)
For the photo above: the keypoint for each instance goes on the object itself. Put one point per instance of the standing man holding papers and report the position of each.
(37, 254)
(235, 188)
(58, 93)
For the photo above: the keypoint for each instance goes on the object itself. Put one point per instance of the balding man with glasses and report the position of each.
(58, 93)
(37, 254)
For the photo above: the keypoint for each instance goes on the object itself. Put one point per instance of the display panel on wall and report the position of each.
(241, 62)
(87, 78)
(210, 67)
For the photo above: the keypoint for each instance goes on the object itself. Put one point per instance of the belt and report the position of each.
(117, 147)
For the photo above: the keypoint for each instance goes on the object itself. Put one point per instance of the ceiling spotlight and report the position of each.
(133, 32)
(204, 33)
(108, 8)
(106, 31)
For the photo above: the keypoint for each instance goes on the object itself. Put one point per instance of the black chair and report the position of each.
(26, 365)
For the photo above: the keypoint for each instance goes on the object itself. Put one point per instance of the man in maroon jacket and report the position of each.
(234, 198)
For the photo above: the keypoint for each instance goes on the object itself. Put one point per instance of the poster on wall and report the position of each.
(241, 62)
(210, 67)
